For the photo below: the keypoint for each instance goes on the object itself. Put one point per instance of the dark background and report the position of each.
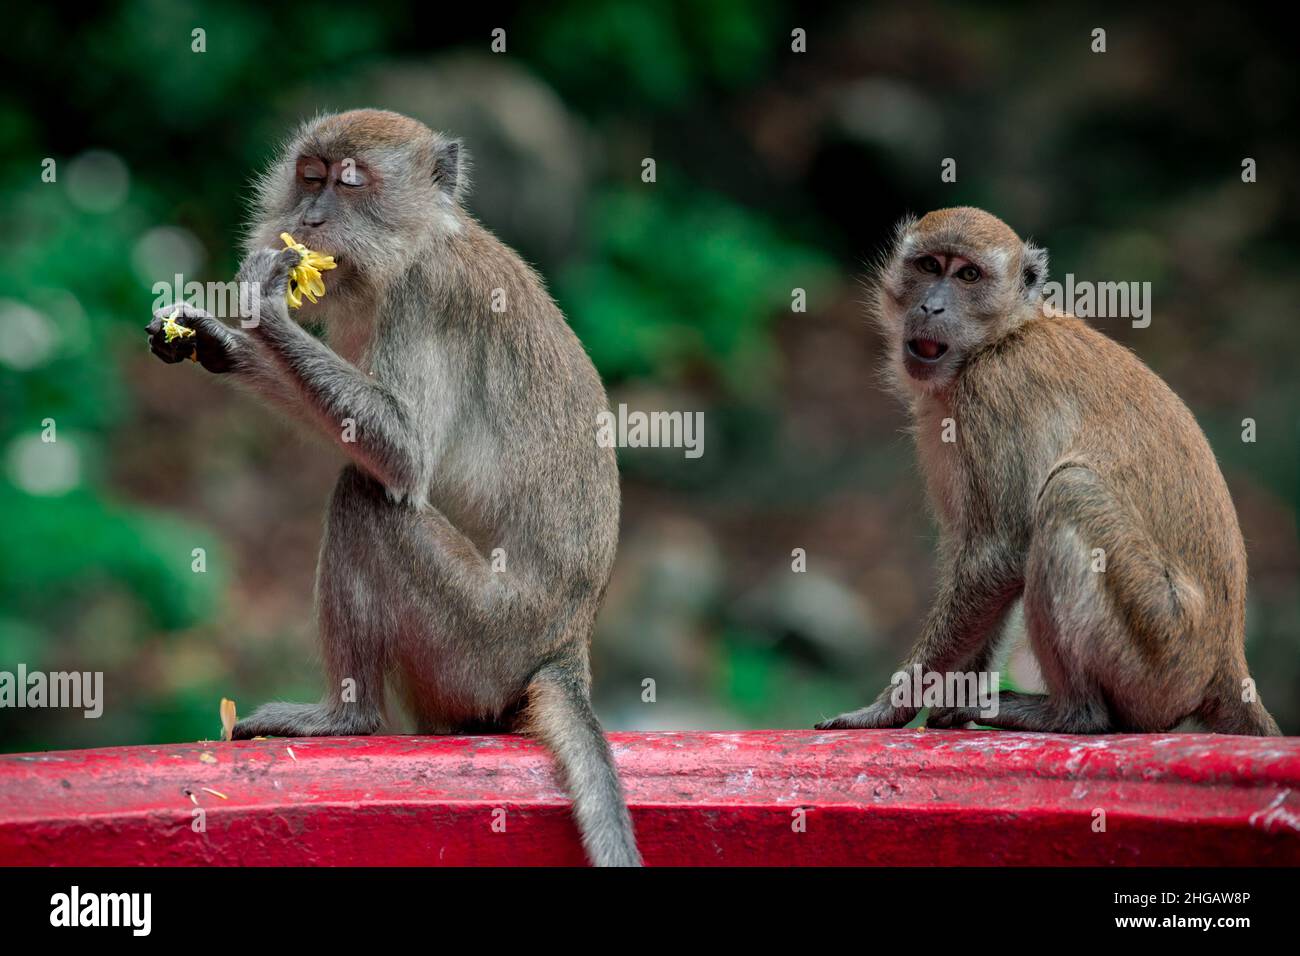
(776, 170)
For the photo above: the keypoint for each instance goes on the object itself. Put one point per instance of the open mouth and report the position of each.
(926, 350)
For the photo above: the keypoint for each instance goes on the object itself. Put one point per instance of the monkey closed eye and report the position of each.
(312, 171)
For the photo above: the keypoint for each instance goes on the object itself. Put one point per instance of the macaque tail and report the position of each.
(559, 714)
(1226, 711)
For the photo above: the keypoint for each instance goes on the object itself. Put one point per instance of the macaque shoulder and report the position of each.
(1046, 362)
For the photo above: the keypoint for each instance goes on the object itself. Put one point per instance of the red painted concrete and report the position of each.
(886, 797)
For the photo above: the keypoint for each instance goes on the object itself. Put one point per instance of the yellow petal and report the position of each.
(227, 718)
(305, 277)
(173, 330)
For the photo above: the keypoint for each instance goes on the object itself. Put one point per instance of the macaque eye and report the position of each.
(968, 274)
(311, 171)
(928, 264)
(353, 177)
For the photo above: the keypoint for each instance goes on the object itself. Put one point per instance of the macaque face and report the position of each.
(330, 201)
(943, 301)
(329, 196)
(368, 187)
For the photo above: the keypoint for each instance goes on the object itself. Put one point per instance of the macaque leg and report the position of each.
(1064, 612)
(1073, 625)
(1042, 713)
(354, 620)
(945, 717)
(979, 584)
(475, 617)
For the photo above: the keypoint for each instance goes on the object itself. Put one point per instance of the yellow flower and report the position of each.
(173, 330)
(304, 278)
(227, 718)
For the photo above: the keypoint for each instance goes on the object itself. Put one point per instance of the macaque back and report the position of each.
(1136, 572)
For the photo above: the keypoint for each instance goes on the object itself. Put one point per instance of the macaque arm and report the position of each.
(978, 584)
(224, 350)
(372, 424)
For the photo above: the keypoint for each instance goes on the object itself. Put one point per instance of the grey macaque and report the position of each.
(468, 411)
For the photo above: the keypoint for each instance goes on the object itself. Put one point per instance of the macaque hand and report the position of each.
(210, 346)
(267, 270)
(878, 716)
(948, 718)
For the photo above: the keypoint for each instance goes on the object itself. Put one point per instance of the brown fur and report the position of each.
(1065, 443)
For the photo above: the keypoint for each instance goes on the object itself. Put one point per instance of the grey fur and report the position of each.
(474, 430)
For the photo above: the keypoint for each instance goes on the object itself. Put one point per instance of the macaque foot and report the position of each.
(304, 720)
(877, 716)
(947, 718)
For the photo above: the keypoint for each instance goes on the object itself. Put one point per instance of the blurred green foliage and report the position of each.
(679, 278)
(608, 56)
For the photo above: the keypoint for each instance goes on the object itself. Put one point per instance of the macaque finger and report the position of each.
(167, 351)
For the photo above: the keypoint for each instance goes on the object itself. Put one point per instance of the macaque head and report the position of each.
(955, 281)
(368, 187)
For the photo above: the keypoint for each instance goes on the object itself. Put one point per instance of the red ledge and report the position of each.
(901, 797)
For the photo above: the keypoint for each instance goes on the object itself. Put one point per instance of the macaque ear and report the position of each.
(903, 228)
(1033, 273)
(449, 162)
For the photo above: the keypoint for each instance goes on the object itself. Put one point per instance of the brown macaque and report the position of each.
(1073, 478)
(471, 536)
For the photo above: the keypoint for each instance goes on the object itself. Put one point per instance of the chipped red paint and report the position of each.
(884, 797)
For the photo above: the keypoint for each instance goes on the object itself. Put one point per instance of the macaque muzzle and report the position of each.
(927, 350)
